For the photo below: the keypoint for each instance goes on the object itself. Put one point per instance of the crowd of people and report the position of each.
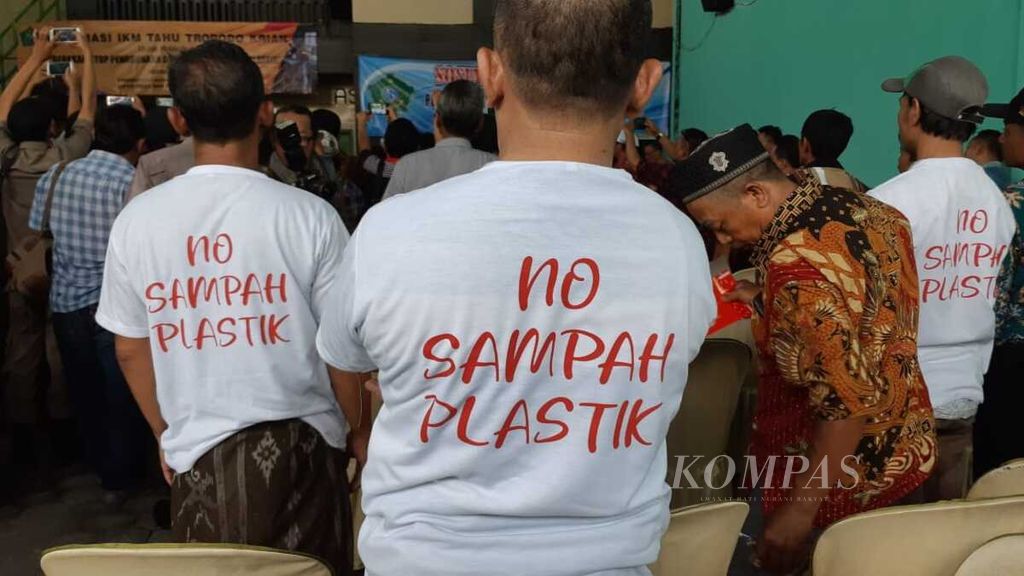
(71, 161)
(218, 272)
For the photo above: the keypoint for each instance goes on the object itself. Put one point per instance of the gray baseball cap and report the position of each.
(952, 87)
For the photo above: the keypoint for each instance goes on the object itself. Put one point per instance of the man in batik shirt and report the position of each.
(836, 330)
(997, 436)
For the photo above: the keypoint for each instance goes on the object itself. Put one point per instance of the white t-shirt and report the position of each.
(433, 293)
(225, 271)
(962, 226)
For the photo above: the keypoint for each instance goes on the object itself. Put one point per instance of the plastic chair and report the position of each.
(700, 540)
(703, 425)
(1003, 556)
(925, 540)
(1007, 480)
(739, 441)
(177, 559)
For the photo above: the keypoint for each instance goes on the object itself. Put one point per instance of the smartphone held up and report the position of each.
(55, 68)
(64, 35)
(120, 100)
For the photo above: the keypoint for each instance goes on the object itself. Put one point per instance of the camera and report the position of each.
(290, 139)
(639, 123)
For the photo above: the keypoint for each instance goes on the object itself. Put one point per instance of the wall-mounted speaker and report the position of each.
(718, 6)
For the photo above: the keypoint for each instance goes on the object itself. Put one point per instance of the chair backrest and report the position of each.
(1007, 480)
(701, 539)
(177, 559)
(926, 540)
(1002, 556)
(748, 274)
(704, 422)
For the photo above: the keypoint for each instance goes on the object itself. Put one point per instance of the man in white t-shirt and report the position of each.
(214, 285)
(962, 227)
(532, 323)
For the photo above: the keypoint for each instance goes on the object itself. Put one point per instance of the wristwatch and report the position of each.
(758, 304)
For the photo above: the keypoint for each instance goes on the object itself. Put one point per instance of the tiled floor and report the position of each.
(74, 513)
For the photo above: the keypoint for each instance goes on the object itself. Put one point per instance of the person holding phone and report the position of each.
(645, 158)
(400, 140)
(676, 151)
(28, 148)
(87, 195)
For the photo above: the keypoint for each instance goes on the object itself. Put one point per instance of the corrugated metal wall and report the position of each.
(305, 11)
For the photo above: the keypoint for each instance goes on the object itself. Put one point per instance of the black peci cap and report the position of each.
(717, 162)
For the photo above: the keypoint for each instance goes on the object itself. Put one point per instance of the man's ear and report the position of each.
(177, 120)
(913, 111)
(265, 116)
(492, 76)
(647, 80)
(756, 193)
(806, 154)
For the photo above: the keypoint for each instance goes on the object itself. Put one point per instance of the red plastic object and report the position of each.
(728, 312)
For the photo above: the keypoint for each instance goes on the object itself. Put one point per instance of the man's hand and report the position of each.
(42, 48)
(745, 292)
(168, 473)
(358, 446)
(651, 127)
(138, 105)
(373, 387)
(83, 44)
(359, 440)
(73, 78)
(785, 547)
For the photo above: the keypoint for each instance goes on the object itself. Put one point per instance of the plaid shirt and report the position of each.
(87, 198)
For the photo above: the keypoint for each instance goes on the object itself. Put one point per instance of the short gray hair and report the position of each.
(460, 108)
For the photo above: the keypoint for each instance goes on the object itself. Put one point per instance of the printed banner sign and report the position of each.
(133, 57)
(409, 86)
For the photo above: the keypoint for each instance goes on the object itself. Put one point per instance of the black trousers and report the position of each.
(997, 429)
(115, 438)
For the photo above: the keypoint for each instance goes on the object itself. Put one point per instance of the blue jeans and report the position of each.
(113, 433)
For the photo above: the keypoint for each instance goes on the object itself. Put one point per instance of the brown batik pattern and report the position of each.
(276, 484)
(839, 341)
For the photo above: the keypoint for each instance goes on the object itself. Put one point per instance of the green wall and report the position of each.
(8, 9)
(775, 61)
